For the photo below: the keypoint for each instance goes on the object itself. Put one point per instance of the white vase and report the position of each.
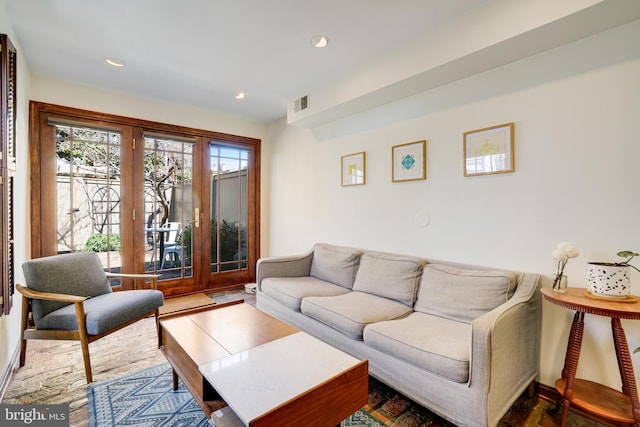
(608, 279)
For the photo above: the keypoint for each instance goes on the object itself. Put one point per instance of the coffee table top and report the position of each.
(213, 334)
(261, 378)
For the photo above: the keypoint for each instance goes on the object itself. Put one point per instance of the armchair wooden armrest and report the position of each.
(50, 296)
(153, 278)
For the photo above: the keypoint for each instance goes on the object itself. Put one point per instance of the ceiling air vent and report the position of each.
(301, 104)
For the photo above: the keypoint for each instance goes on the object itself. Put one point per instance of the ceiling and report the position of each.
(200, 53)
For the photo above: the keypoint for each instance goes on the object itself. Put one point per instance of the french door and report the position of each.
(231, 205)
(156, 199)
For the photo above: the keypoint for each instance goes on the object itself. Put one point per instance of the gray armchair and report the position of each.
(69, 297)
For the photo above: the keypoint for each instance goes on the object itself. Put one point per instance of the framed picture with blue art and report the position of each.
(409, 161)
(353, 169)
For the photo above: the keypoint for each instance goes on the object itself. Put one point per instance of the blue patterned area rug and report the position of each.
(146, 398)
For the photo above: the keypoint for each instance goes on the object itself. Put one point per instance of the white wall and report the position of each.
(10, 325)
(576, 112)
(95, 99)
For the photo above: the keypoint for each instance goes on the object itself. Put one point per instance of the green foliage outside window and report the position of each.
(99, 243)
(228, 241)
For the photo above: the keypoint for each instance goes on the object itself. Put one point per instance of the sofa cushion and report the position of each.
(462, 294)
(435, 344)
(389, 276)
(289, 291)
(351, 312)
(335, 264)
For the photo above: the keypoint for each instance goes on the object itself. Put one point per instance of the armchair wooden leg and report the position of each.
(23, 327)
(87, 360)
(23, 350)
(84, 341)
(157, 314)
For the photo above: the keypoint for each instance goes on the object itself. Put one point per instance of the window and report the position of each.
(229, 207)
(88, 192)
(168, 205)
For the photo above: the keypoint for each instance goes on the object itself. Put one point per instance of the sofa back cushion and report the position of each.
(389, 276)
(335, 264)
(462, 294)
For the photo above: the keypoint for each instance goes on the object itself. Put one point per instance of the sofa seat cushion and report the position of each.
(463, 294)
(335, 264)
(435, 344)
(389, 276)
(350, 313)
(100, 315)
(289, 291)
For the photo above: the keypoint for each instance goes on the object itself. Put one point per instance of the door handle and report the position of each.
(196, 218)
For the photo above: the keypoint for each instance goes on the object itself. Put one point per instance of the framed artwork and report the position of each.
(353, 169)
(409, 161)
(489, 150)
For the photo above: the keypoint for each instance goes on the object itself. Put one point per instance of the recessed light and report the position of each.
(114, 62)
(239, 95)
(319, 40)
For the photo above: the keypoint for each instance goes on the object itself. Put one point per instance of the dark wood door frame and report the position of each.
(42, 165)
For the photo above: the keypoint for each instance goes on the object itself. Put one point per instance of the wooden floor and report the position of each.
(54, 371)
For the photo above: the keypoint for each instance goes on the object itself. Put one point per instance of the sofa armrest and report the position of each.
(506, 342)
(289, 266)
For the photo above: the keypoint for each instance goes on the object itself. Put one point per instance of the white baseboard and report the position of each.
(8, 374)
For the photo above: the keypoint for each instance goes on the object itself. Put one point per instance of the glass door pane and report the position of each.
(229, 207)
(168, 206)
(88, 193)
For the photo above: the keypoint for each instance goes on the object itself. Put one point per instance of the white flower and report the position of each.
(563, 245)
(559, 255)
(562, 253)
(567, 249)
(571, 251)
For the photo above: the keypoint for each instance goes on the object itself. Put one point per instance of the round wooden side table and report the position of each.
(597, 399)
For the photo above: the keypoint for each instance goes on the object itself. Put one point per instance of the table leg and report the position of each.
(571, 363)
(626, 367)
(175, 379)
(161, 248)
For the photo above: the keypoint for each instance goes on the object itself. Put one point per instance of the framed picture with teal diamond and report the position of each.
(409, 161)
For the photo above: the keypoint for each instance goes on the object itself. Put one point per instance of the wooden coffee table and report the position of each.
(268, 372)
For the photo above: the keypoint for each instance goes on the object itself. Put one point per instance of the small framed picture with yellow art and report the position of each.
(489, 150)
(353, 169)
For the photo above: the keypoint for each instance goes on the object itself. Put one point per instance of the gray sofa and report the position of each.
(463, 341)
